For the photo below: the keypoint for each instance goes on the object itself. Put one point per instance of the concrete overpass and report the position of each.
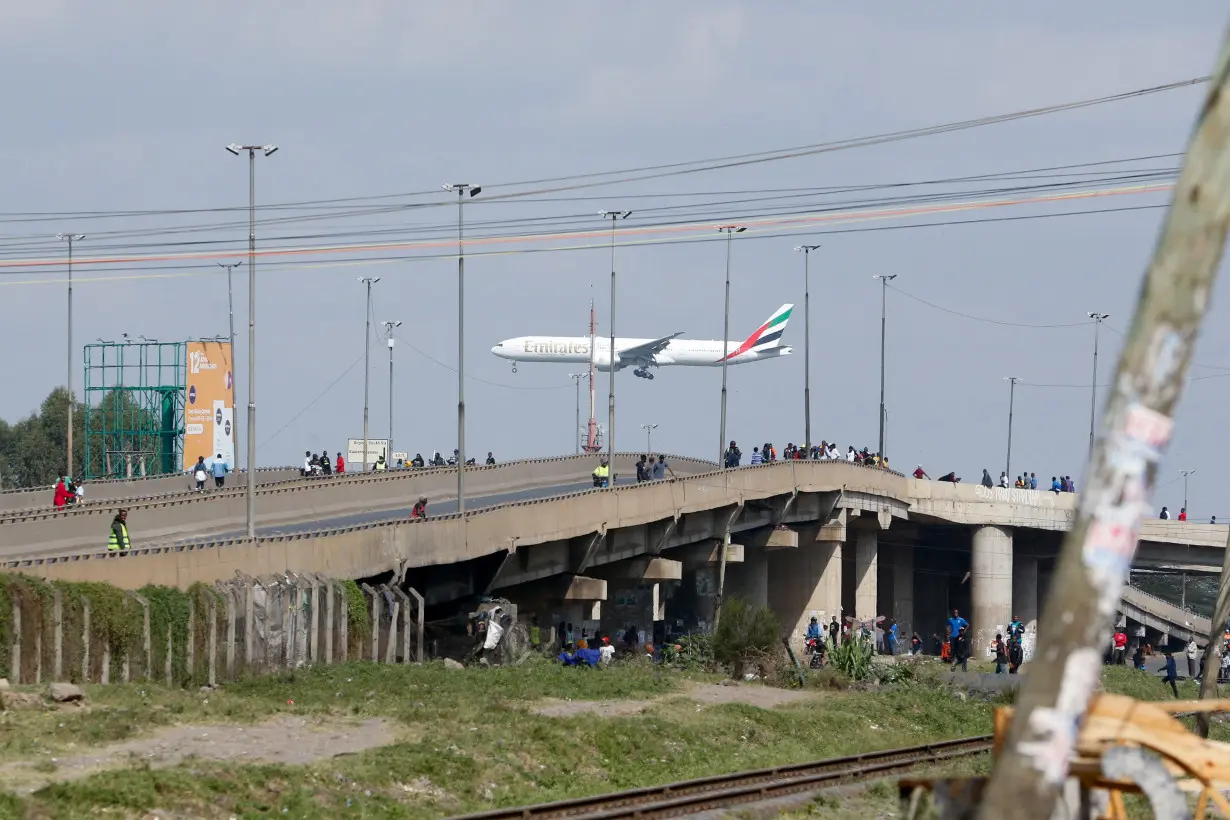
(828, 538)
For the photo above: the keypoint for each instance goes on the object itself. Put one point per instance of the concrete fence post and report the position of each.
(344, 621)
(213, 640)
(390, 648)
(329, 624)
(418, 628)
(232, 613)
(190, 644)
(15, 648)
(249, 622)
(85, 640)
(57, 622)
(405, 607)
(375, 621)
(147, 644)
(168, 664)
(314, 622)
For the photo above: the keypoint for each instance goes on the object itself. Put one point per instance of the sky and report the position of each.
(125, 107)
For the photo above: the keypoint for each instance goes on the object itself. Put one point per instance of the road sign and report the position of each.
(375, 447)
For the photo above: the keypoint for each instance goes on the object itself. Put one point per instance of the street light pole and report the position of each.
(267, 150)
(884, 280)
(1093, 398)
(230, 317)
(461, 188)
(389, 327)
(1186, 473)
(576, 432)
(807, 249)
(614, 216)
(730, 231)
(70, 238)
(1012, 380)
(649, 428)
(367, 359)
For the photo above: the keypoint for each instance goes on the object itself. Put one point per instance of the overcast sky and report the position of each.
(126, 106)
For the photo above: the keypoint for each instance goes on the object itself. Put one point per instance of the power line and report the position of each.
(978, 318)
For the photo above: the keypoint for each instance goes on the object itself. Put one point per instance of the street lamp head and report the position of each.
(269, 149)
(885, 277)
(729, 229)
(1097, 317)
(70, 237)
(234, 149)
(463, 186)
(615, 214)
(806, 248)
(231, 265)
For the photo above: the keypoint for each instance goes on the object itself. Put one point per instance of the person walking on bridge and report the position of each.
(220, 469)
(117, 540)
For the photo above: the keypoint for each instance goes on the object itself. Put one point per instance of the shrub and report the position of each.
(694, 651)
(746, 636)
(853, 658)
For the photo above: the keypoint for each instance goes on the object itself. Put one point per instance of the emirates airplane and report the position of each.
(643, 354)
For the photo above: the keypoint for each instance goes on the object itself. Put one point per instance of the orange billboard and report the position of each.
(209, 404)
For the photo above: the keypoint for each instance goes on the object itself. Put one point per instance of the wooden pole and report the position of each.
(1097, 554)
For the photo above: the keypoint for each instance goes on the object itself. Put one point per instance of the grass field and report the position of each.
(448, 741)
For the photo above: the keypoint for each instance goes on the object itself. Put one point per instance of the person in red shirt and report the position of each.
(1119, 655)
(340, 467)
(919, 472)
(1183, 514)
(62, 493)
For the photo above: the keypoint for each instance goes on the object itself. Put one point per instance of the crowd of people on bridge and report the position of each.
(319, 464)
(767, 453)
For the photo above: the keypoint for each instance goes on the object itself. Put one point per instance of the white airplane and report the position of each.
(646, 353)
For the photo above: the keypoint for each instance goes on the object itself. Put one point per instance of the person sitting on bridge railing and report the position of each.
(951, 478)
(490, 459)
(61, 492)
(420, 508)
(117, 539)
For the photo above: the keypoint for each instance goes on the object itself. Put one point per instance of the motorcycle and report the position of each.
(815, 651)
(600, 481)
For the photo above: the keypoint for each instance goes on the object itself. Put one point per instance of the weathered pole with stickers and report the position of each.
(1136, 428)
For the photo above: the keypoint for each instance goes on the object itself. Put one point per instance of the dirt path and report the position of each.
(287, 739)
(766, 697)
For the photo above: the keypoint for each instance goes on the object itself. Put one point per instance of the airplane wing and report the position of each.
(647, 351)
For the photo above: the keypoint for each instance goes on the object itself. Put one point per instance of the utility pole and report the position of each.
(649, 428)
(1186, 473)
(267, 150)
(1093, 385)
(230, 317)
(807, 249)
(1012, 380)
(614, 216)
(367, 360)
(576, 432)
(462, 188)
(389, 327)
(730, 231)
(70, 238)
(884, 280)
(1097, 553)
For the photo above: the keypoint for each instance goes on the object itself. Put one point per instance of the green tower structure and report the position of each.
(134, 408)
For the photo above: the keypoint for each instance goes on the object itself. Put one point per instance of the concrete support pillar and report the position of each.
(1025, 599)
(806, 584)
(902, 610)
(991, 582)
(866, 574)
(751, 580)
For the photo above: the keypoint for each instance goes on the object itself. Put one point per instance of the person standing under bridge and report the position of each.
(118, 540)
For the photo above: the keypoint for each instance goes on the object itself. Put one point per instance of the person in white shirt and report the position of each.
(1003, 480)
(850, 454)
(606, 651)
(832, 453)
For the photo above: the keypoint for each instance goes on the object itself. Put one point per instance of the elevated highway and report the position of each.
(296, 504)
(826, 537)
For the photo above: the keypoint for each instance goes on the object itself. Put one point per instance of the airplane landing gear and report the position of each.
(514, 367)
(642, 373)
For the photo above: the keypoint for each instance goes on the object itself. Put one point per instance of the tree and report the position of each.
(32, 450)
(746, 636)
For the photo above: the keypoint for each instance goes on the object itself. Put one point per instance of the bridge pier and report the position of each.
(1025, 598)
(866, 574)
(991, 581)
(806, 582)
(902, 609)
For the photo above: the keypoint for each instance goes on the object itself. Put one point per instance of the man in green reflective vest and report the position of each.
(118, 540)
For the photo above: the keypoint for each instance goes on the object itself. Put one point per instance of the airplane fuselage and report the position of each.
(678, 352)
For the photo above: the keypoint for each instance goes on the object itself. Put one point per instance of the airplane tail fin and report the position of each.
(768, 335)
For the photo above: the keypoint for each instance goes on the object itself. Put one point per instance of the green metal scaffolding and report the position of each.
(134, 408)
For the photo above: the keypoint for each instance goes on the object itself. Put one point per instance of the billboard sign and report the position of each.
(375, 447)
(209, 406)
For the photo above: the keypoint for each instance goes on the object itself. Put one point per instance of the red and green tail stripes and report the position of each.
(767, 335)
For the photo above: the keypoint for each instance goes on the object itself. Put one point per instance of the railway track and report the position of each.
(723, 791)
